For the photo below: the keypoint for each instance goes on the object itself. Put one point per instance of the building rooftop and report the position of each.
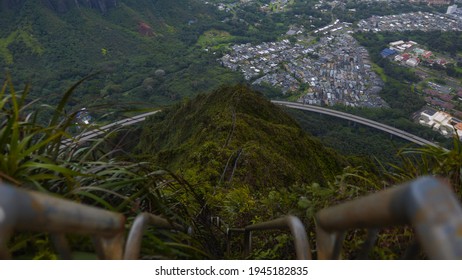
(430, 112)
(388, 52)
(441, 116)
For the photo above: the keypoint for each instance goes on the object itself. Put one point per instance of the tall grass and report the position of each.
(429, 160)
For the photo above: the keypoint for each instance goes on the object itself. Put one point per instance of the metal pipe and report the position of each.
(34, 211)
(28, 210)
(62, 246)
(368, 244)
(4, 254)
(425, 203)
(302, 246)
(142, 221)
(229, 232)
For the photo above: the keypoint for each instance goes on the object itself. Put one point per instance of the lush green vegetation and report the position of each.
(349, 138)
(83, 41)
(249, 162)
(220, 142)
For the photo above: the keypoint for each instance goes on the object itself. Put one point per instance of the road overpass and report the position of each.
(383, 127)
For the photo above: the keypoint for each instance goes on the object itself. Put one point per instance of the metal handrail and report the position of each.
(22, 210)
(29, 210)
(142, 221)
(229, 234)
(427, 204)
(302, 246)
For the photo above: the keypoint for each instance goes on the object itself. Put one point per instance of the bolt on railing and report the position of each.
(22, 210)
(427, 204)
(302, 246)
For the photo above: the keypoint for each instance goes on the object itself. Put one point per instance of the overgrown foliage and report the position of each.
(430, 160)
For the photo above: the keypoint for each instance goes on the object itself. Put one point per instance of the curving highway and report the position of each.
(83, 137)
(394, 131)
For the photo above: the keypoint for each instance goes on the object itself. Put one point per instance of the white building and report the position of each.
(413, 62)
(441, 122)
(451, 9)
(397, 43)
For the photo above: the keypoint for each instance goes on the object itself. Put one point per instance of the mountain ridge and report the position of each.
(234, 134)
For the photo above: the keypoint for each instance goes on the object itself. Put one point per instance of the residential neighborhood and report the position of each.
(330, 70)
(423, 21)
(327, 66)
(443, 97)
(273, 6)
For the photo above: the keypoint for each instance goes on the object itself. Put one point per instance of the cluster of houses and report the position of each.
(432, 2)
(411, 54)
(333, 70)
(443, 98)
(275, 6)
(443, 117)
(423, 21)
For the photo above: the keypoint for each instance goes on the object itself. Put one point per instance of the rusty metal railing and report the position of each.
(27, 210)
(229, 234)
(142, 221)
(302, 246)
(22, 210)
(427, 204)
